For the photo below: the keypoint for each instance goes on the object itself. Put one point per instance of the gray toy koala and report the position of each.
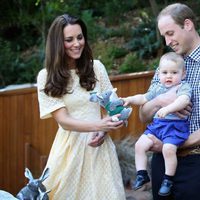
(112, 104)
(34, 190)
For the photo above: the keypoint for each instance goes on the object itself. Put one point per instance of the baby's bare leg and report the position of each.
(169, 154)
(141, 147)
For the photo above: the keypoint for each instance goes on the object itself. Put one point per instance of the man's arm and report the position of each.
(178, 104)
(147, 111)
(193, 140)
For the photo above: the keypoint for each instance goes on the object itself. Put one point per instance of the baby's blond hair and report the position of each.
(174, 57)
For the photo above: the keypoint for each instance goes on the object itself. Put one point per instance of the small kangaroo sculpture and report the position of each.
(34, 190)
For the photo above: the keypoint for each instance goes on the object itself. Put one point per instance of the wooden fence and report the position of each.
(25, 139)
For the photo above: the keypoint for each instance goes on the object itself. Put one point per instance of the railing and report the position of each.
(25, 139)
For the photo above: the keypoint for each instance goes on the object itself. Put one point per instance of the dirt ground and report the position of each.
(143, 193)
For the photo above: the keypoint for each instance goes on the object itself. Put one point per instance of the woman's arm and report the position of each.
(69, 123)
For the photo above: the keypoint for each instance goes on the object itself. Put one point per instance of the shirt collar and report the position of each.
(195, 54)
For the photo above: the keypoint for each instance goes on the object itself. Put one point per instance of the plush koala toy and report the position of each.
(112, 104)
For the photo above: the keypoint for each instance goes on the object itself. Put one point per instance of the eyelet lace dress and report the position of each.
(78, 171)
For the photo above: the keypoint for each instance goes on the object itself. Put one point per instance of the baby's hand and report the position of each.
(162, 112)
(126, 101)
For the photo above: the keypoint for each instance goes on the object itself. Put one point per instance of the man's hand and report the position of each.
(97, 139)
(185, 112)
(157, 144)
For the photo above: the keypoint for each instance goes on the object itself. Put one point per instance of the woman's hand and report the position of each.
(97, 139)
(110, 123)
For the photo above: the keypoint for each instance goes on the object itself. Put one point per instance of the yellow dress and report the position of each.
(78, 171)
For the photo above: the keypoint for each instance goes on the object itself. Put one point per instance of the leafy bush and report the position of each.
(112, 32)
(30, 64)
(17, 67)
(114, 10)
(9, 64)
(24, 27)
(94, 30)
(144, 41)
(132, 64)
(116, 52)
(100, 51)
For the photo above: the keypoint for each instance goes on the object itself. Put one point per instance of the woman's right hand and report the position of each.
(107, 124)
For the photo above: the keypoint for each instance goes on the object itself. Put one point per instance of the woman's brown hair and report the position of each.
(58, 73)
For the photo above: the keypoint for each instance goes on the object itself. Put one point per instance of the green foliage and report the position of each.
(8, 64)
(153, 64)
(94, 30)
(114, 10)
(17, 67)
(132, 64)
(144, 41)
(108, 53)
(24, 27)
(112, 32)
(101, 52)
(116, 52)
(31, 63)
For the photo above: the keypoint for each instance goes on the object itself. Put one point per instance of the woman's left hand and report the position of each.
(97, 139)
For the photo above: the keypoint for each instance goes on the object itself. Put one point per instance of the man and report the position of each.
(176, 24)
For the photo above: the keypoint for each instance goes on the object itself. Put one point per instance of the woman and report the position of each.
(77, 170)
